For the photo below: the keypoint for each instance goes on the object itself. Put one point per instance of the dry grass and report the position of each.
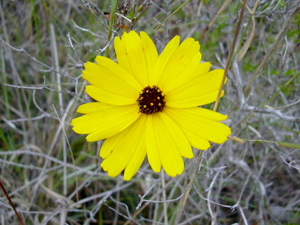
(53, 175)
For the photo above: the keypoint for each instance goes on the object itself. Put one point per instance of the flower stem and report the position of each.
(113, 10)
(230, 54)
(11, 203)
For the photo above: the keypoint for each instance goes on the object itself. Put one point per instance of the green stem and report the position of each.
(113, 10)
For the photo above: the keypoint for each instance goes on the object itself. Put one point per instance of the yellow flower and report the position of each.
(147, 105)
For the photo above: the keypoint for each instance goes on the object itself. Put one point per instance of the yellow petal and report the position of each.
(209, 114)
(203, 89)
(169, 153)
(107, 80)
(195, 100)
(150, 51)
(92, 107)
(151, 145)
(137, 159)
(197, 58)
(106, 122)
(108, 97)
(131, 56)
(110, 144)
(124, 148)
(135, 163)
(178, 137)
(198, 122)
(118, 73)
(122, 56)
(180, 60)
(163, 59)
(196, 141)
(189, 74)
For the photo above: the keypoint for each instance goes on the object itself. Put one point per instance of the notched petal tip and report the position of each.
(218, 71)
(90, 107)
(132, 32)
(117, 38)
(127, 178)
(113, 173)
(207, 64)
(124, 35)
(84, 109)
(77, 121)
(225, 133)
(174, 173)
(155, 168)
(229, 131)
(205, 148)
(143, 33)
(75, 129)
(72, 122)
(99, 58)
(190, 154)
(176, 40)
(154, 163)
(225, 117)
(79, 130)
(176, 37)
(89, 65)
(129, 34)
(88, 62)
(89, 139)
(103, 167)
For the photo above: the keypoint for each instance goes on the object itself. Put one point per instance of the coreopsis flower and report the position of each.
(148, 105)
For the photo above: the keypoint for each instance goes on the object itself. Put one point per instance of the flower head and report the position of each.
(147, 105)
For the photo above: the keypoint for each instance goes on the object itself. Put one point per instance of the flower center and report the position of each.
(151, 100)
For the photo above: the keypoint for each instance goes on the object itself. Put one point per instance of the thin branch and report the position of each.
(11, 203)
(169, 17)
(86, 30)
(48, 68)
(211, 23)
(271, 111)
(230, 54)
(279, 37)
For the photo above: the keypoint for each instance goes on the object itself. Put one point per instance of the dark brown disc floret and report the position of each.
(151, 100)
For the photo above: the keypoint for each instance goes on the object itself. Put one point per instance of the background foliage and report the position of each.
(53, 175)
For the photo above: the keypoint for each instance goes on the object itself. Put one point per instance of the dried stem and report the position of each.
(230, 54)
(279, 37)
(11, 203)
